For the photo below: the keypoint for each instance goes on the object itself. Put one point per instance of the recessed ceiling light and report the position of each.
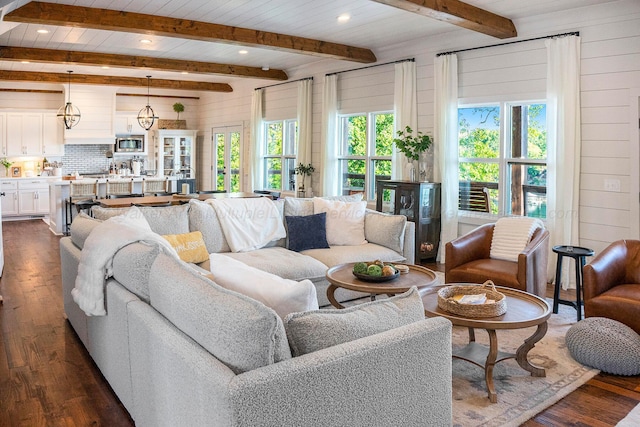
(243, 52)
(345, 17)
(265, 68)
(145, 41)
(42, 31)
(185, 72)
(104, 67)
(24, 62)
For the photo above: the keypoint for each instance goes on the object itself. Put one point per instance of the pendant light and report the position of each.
(68, 113)
(146, 116)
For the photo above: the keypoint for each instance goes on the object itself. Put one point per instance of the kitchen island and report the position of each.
(59, 193)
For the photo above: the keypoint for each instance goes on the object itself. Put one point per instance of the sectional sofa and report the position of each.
(178, 349)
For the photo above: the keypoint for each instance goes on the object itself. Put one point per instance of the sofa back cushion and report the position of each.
(81, 227)
(239, 331)
(314, 330)
(203, 218)
(162, 220)
(132, 266)
(385, 230)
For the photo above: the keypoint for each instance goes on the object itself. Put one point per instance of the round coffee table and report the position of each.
(341, 276)
(524, 310)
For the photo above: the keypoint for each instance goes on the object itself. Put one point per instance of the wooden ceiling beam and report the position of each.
(113, 20)
(458, 13)
(113, 81)
(9, 53)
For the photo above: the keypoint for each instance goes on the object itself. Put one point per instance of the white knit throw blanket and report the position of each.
(511, 235)
(96, 260)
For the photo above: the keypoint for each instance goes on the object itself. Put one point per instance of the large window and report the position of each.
(281, 140)
(503, 159)
(366, 143)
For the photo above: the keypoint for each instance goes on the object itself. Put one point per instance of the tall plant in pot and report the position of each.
(305, 171)
(414, 147)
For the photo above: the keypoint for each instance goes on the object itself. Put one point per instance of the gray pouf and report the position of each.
(605, 344)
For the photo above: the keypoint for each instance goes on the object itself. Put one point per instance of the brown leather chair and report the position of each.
(611, 284)
(467, 261)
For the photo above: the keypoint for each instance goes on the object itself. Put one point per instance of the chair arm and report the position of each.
(409, 244)
(532, 264)
(606, 270)
(401, 374)
(473, 245)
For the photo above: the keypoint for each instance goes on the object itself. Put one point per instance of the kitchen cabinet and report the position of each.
(24, 197)
(175, 152)
(127, 124)
(420, 203)
(24, 134)
(33, 197)
(10, 199)
(52, 135)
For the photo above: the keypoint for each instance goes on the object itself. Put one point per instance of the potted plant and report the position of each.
(7, 164)
(305, 171)
(412, 146)
(178, 108)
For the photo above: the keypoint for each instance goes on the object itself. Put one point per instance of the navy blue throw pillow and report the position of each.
(307, 232)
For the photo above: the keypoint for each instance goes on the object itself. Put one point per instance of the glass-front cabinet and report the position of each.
(420, 203)
(175, 153)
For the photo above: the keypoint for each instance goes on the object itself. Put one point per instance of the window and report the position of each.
(281, 140)
(366, 143)
(502, 152)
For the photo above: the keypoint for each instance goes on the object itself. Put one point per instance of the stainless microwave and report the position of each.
(129, 144)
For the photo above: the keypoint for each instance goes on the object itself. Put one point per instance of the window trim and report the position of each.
(282, 157)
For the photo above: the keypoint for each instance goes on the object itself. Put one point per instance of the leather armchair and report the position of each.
(611, 284)
(467, 261)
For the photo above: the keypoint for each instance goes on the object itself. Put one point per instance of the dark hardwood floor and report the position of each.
(48, 379)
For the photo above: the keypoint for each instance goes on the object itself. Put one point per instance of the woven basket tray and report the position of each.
(447, 303)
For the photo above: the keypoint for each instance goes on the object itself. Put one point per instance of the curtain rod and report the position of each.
(371, 66)
(284, 83)
(574, 33)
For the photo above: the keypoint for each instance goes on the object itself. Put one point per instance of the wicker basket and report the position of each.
(448, 303)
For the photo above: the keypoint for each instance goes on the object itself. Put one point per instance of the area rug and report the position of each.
(632, 419)
(520, 396)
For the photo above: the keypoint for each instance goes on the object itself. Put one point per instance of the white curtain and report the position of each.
(563, 147)
(257, 140)
(446, 145)
(331, 177)
(405, 106)
(305, 121)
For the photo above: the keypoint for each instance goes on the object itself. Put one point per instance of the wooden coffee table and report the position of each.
(341, 276)
(524, 310)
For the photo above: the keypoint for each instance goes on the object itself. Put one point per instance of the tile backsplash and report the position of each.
(88, 158)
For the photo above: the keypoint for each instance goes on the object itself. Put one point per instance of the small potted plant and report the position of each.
(178, 108)
(305, 171)
(7, 164)
(412, 147)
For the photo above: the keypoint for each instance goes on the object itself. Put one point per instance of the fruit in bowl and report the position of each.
(375, 270)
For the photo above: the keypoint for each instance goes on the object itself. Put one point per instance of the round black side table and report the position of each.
(579, 254)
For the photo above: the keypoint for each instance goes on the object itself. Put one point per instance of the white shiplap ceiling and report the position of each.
(372, 25)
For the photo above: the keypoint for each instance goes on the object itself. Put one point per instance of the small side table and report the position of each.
(579, 254)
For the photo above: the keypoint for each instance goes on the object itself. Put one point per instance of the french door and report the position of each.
(227, 149)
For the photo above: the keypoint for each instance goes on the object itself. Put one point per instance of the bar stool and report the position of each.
(155, 185)
(83, 196)
(579, 254)
(120, 187)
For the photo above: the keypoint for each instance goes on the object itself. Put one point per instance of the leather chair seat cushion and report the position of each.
(502, 273)
(621, 303)
(605, 344)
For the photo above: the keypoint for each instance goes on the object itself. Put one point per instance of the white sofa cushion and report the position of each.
(315, 330)
(343, 254)
(162, 220)
(384, 229)
(284, 296)
(239, 331)
(203, 218)
(345, 221)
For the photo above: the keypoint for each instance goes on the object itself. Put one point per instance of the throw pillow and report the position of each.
(307, 232)
(284, 296)
(189, 246)
(345, 221)
(385, 230)
(315, 330)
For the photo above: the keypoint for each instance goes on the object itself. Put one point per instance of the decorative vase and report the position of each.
(423, 167)
(410, 170)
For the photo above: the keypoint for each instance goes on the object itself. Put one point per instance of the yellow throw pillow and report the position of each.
(189, 246)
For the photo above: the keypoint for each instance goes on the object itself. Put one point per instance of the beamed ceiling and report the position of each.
(196, 44)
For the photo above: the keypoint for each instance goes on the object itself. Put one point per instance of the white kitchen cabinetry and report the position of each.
(127, 124)
(175, 152)
(10, 199)
(52, 135)
(24, 134)
(33, 197)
